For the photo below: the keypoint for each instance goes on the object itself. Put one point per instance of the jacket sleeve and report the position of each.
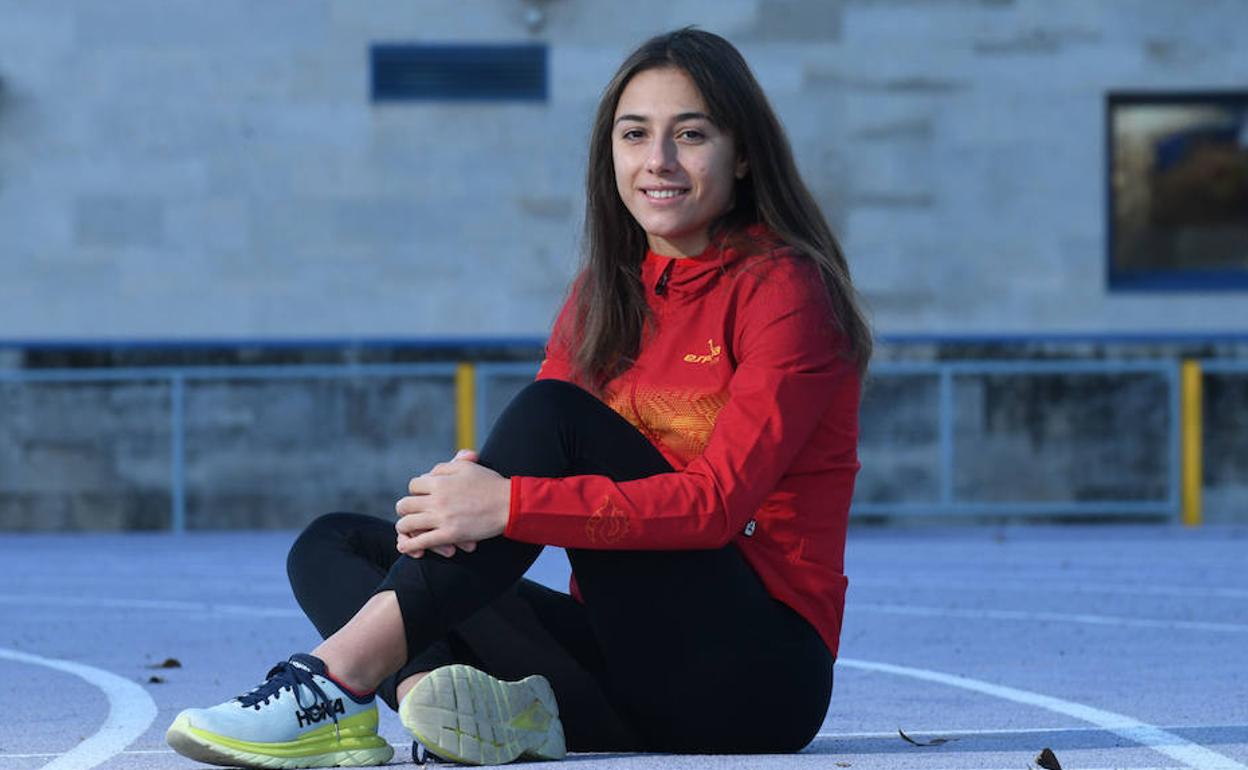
(788, 367)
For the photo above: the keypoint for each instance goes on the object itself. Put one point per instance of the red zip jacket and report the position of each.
(744, 385)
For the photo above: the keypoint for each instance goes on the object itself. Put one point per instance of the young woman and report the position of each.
(690, 440)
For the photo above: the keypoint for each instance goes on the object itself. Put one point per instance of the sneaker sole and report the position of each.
(466, 715)
(203, 746)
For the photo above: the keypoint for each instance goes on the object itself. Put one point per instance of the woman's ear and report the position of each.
(743, 168)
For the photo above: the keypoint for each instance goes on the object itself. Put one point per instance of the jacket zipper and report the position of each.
(660, 288)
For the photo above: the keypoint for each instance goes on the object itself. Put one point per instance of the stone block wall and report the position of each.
(1018, 438)
(84, 456)
(1225, 427)
(271, 454)
(217, 170)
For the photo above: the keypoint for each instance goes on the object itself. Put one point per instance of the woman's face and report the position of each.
(674, 169)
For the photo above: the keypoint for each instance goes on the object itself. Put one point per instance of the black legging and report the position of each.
(680, 651)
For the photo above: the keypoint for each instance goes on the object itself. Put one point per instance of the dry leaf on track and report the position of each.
(1048, 760)
(932, 742)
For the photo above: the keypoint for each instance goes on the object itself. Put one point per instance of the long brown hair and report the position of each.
(611, 309)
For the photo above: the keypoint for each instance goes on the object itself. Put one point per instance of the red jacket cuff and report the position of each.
(513, 510)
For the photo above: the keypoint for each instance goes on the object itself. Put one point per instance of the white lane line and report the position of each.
(199, 608)
(1081, 767)
(1048, 586)
(130, 712)
(1192, 755)
(958, 732)
(1052, 617)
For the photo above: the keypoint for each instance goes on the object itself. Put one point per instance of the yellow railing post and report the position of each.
(1193, 461)
(465, 406)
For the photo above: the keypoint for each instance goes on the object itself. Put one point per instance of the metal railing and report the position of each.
(947, 502)
(474, 383)
(177, 377)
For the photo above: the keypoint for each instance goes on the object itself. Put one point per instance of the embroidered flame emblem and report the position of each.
(705, 358)
(608, 524)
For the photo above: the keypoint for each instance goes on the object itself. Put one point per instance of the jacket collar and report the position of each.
(693, 275)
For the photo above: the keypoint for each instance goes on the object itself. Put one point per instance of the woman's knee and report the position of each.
(330, 530)
(552, 389)
(328, 527)
(542, 401)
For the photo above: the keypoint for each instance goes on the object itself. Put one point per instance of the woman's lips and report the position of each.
(660, 195)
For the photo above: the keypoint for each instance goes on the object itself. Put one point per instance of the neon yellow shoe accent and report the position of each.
(466, 715)
(354, 743)
(535, 717)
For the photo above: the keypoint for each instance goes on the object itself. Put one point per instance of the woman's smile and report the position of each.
(664, 194)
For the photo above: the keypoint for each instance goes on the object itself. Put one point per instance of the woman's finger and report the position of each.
(468, 546)
(399, 546)
(446, 551)
(415, 523)
(406, 506)
(427, 541)
(420, 485)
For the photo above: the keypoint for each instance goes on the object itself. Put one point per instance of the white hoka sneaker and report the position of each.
(465, 715)
(299, 717)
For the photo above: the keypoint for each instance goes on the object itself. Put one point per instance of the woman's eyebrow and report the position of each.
(679, 118)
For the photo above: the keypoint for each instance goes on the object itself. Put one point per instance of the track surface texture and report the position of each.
(1115, 646)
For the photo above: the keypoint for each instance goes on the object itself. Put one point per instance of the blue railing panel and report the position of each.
(489, 375)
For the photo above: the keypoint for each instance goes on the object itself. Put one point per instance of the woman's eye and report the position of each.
(632, 133)
(691, 135)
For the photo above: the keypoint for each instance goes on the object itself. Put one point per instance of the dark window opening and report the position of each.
(454, 72)
(1178, 190)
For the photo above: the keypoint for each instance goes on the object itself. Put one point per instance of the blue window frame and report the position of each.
(1177, 190)
(458, 72)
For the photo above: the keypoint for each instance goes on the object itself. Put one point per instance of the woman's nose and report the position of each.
(662, 156)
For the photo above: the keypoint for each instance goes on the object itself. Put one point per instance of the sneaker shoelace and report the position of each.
(421, 755)
(288, 675)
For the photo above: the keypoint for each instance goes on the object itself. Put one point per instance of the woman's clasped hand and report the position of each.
(452, 507)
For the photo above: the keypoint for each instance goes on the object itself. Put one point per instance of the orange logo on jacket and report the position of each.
(705, 358)
(608, 524)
